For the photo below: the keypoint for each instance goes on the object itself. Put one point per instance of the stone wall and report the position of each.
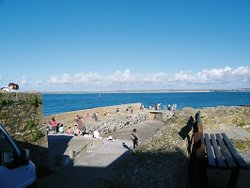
(119, 122)
(21, 114)
(104, 123)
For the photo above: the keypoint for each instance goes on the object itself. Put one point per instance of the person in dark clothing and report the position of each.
(134, 138)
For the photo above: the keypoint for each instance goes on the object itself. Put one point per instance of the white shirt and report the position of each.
(61, 129)
(5, 89)
(96, 134)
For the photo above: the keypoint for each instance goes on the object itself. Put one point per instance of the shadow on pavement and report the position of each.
(38, 155)
(121, 172)
(57, 144)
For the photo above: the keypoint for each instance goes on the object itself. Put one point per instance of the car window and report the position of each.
(8, 153)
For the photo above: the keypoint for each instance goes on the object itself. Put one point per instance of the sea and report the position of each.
(59, 103)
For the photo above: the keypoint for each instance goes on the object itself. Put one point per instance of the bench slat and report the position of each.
(219, 157)
(210, 153)
(228, 157)
(234, 152)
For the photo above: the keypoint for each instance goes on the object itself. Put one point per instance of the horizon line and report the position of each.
(144, 91)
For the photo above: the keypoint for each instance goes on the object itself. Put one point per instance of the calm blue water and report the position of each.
(58, 103)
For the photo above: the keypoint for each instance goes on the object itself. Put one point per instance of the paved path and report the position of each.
(98, 159)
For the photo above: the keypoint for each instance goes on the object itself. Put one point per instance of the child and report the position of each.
(134, 138)
(69, 131)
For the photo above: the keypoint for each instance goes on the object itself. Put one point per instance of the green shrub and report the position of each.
(242, 123)
(38, 135)
(3, 102)
(35, 101)
(31, 124)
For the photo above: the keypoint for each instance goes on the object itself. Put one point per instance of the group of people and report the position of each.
(108, 114)
(55, 126)
(77, 131)
(129, 109)
(81, 130)
(164, 107)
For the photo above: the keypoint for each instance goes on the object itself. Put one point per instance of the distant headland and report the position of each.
(150, 91)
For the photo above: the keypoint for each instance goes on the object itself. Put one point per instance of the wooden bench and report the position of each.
(215, 151)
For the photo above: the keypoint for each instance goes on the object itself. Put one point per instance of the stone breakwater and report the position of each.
(107, 120)
(119, 122)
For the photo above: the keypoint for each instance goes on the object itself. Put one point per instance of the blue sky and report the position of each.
(92, 45)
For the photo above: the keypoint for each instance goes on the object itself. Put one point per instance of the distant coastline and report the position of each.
(150, 91)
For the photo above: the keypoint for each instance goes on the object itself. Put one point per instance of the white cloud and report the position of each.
(23, 80)
(226, 74)
(121, 77)
(86, 78)
(215, 78)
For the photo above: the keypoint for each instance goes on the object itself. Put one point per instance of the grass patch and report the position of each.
(242, 124)
(242, 144)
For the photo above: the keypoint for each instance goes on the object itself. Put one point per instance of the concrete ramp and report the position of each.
(64, 148)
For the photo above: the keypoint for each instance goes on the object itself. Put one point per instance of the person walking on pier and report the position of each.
(134, 138)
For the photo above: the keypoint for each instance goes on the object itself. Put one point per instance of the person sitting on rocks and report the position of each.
(131, 110)
(61, 128)
(77, 132)
(107, 114)
(117, 110)
(49, 127)
(95, 116)
(69, 131)
(97, 134)
(87, 117)
(77, 118)
(84, 130)
(80, 124)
